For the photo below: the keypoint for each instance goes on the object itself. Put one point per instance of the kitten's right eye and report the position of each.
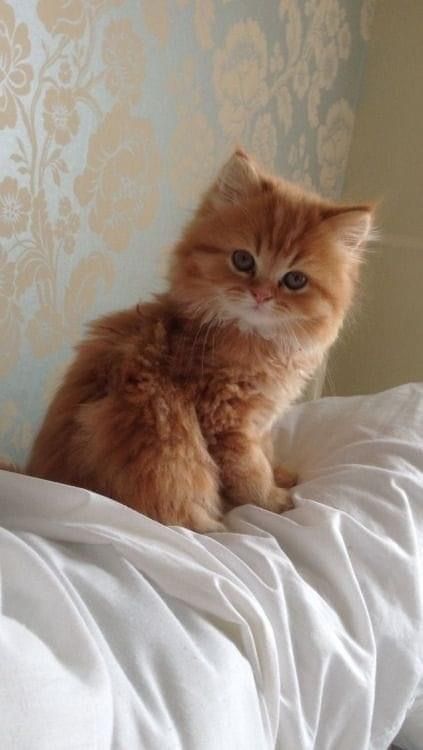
(243, 261)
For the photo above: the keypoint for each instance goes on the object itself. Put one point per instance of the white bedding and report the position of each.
(293, 632)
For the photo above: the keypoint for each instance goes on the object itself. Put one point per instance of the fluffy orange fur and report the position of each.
(168, 406)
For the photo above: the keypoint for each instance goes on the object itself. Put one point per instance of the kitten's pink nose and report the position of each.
(261, 294)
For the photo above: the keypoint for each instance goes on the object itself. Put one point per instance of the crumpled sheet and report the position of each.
(293, 632)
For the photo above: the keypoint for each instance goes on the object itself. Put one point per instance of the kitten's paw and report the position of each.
(9, 466)
(284, 478)
(279, 500)
(210, 526)
(206, 523)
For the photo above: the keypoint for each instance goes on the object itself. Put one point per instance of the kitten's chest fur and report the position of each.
(236, 382)
(232, 381)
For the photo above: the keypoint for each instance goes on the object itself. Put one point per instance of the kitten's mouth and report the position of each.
(252, 316)
(262, 309)
(260, 306)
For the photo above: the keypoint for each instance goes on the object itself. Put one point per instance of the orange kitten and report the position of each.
(168, 406)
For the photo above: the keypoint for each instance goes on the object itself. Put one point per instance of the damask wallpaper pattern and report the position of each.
(114, 114)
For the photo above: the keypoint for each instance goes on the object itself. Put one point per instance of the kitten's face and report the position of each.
(269, 258)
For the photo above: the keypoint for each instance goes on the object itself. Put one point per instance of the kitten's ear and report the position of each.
(237, 179)
(350, 224)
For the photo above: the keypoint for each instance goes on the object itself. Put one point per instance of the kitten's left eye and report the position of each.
(243, 261)
(294, 280)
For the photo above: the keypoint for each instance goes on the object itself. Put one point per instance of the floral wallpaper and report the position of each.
(114, 114)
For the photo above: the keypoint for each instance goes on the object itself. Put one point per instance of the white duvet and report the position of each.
(293, 632)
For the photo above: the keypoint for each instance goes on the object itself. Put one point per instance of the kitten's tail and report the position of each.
(9, 466)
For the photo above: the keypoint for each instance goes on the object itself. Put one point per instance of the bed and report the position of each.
(293, 632)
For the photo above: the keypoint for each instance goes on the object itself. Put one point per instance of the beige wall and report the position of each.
(384, 345)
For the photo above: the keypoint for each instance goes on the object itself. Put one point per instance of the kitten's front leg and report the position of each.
(246, 474)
